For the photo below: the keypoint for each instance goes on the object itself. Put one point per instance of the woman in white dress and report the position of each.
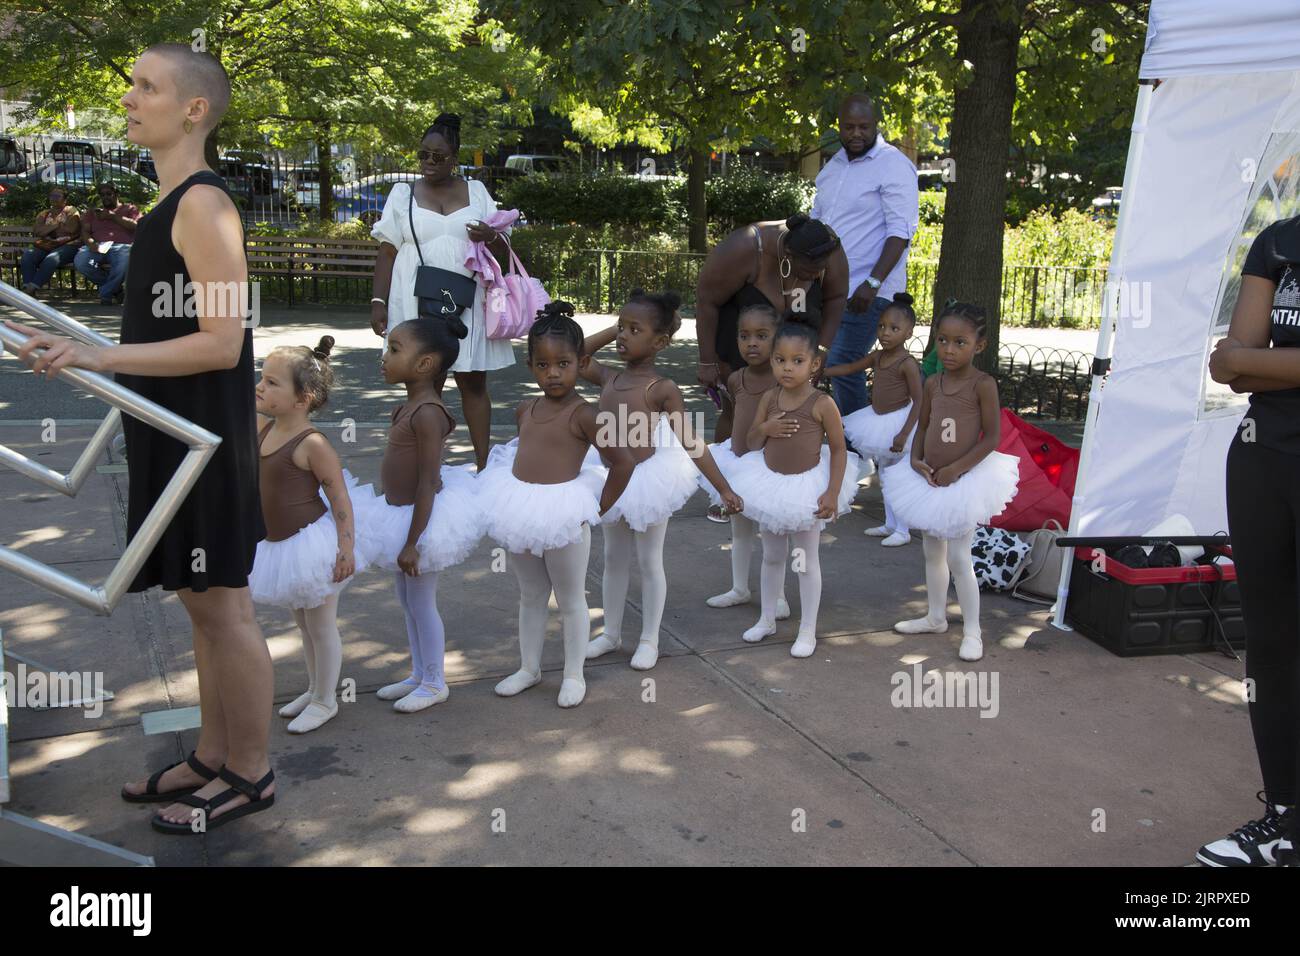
(449, 214)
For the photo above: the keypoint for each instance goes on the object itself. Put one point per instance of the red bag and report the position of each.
(1048, 468)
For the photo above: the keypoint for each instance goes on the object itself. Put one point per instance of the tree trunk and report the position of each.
(696, 211)
(326, 163)
(970, 258)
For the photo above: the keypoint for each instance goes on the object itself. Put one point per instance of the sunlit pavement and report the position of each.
(724, 753)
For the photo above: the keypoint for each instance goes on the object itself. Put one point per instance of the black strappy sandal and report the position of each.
(151, 794)
(238, 785)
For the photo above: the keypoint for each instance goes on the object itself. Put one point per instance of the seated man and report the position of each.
(107, 233)
(56, 237)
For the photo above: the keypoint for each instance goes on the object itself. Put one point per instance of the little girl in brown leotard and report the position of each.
(954, 478)
(796, 484)
(756, 332)
(309, 554)
(885, 428)
(540, 498)
(643, 411)
(426, 518)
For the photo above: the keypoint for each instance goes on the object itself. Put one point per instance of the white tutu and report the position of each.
(873, 434)
(298, 572)
(523, 516)
(453, 531)
(783, 504)
(659, 485)
(727, 461)
(953, 510)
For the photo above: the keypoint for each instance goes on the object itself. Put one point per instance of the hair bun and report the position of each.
(558, 307)
(902, 298)
(797, 220)
(324, 347)
(672, 300)
(450, 120)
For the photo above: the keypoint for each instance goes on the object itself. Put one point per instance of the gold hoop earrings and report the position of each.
(189, 125)
(785, 267)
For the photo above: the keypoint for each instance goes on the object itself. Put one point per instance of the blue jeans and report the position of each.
(106, 269)
(855, 338)
(39, 265)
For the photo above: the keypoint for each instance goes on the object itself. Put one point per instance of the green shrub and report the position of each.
(595, 200)
(748, 195)
(931, 211)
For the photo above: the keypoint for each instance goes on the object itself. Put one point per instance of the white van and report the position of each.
(528, 163)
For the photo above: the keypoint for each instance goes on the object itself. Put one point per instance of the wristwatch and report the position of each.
(874, 282)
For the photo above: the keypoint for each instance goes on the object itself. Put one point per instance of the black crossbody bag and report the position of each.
(438, 292)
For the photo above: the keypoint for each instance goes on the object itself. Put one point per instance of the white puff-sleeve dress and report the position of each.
(445, 244)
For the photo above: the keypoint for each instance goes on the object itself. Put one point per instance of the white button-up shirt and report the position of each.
(867, 200)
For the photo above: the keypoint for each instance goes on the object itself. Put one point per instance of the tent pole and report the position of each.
(1101, 361)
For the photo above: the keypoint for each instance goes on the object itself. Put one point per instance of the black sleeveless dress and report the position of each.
(222, 516)
(725, 343)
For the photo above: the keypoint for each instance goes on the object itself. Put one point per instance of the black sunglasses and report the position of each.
(432, 156)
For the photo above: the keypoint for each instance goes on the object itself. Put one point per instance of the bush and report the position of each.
(748, 195)
(596, 200)
(931, 213)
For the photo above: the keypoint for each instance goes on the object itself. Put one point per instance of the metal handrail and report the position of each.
(202, 446)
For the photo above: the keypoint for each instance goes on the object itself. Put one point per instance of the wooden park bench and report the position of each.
(286, 261)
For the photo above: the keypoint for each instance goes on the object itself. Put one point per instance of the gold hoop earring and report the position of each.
(189, 125)
(785, 268)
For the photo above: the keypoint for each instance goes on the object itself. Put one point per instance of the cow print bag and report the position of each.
(999, 558)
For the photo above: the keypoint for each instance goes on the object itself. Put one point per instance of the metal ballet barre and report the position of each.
(202, 445)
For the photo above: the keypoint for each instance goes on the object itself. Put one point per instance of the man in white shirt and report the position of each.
(867, 193)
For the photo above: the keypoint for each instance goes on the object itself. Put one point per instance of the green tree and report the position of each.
(695, 75)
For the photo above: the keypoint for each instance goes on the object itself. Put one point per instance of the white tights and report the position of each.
(620, 541)
(425, 633)
(891, 520)
(564, 572)
(322, 649)
(776, 548)
(952, 555)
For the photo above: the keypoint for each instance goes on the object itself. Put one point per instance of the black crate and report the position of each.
(1135, 612)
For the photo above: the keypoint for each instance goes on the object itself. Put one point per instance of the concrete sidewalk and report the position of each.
(724, 753)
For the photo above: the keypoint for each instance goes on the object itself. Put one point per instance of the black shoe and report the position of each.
(1286, 854)
(1255, 844)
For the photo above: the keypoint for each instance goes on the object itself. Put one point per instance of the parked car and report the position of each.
(303, 185)
(245, 178)
(80, 172)
(528, 163)
(1108, 202)
(73, 149)
(12, 158)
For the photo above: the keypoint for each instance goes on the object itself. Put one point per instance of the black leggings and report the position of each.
(1264, 521)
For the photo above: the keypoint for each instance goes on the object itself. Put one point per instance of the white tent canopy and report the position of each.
(1214, 157)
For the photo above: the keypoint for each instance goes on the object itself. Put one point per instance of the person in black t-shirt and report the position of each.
(1261, 356)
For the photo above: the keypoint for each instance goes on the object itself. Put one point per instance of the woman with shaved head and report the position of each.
(199, 366)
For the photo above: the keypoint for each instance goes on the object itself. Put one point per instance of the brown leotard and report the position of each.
(290, 495)
(954, 411)
(399, 474)
(550, 452)
(889, 386)
(746, 404)
(638, 418)
(801, 451)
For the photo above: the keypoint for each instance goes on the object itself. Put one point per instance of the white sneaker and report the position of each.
(896, 540)
(803, 646)
(972, 648)
(922, 625)
(728, 598)
(880, 532)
